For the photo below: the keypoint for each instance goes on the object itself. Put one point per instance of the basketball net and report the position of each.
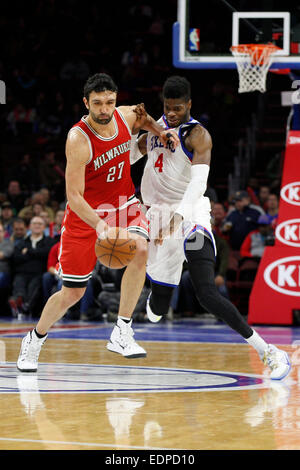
(253, 62)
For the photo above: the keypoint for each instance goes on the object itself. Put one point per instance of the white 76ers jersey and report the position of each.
(167, 174)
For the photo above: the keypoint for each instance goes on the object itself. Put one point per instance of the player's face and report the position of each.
(101, 106)
(177, 111)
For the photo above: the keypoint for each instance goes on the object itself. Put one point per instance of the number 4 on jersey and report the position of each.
(159, 163)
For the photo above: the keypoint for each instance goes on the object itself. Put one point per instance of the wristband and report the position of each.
(196, 188)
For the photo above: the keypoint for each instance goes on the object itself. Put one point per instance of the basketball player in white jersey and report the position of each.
(172, 188)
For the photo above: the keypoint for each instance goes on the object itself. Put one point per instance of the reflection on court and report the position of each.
(186, 394)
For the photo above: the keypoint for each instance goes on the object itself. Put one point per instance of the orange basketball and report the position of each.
(117, 249)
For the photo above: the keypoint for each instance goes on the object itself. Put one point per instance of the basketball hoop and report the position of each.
(253, 62)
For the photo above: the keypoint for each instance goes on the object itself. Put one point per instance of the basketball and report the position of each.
(117, 249)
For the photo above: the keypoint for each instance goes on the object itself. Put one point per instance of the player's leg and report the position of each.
(158, 302)
(55, 308)
(201, 265)
(164, 270)
(133, 280)
(74, 286)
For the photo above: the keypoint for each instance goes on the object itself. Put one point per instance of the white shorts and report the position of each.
(165, 261)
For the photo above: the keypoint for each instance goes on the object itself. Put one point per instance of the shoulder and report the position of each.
(200, 132)
(199, 136)
(77, 144)
(252, 210)
(128, 114)
(76, 136)
(125, 110)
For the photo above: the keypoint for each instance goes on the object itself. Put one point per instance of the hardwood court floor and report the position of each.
(200, 387)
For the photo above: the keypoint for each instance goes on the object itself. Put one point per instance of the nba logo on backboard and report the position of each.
(194, 39)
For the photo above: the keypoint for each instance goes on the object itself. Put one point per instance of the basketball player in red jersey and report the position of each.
(100, 194)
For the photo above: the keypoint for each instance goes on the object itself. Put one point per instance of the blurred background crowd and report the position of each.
(49, 49)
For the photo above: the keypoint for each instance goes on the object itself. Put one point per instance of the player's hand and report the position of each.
(169, 138)
(167, 231)
(140, 112)
(102, 229)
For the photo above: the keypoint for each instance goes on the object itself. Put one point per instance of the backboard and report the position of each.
(205, 31)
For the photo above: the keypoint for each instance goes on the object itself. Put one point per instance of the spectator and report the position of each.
(59, 217)
(218, 214)
(30, 262)
(6, 251)
(25, 173)
(21, 119)
(37, 198)
(75, 68)
(254, 244)
(252, 190)
(15, 195)
(19, 231)
(37, 208)
(52, 229)
(263, 195)
(46, 196)
(135, 61)
(7, 218)
(51, 173)
(51, 281)
(241, 221)
(272, 208)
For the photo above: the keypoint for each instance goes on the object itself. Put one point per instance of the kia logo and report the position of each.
(291, 193)
(283, 275)
(288, 232)
(294, 140)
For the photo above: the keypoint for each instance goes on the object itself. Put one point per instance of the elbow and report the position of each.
(73, 198)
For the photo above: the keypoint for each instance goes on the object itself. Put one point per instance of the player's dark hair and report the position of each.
(177, 87)
(99, 82)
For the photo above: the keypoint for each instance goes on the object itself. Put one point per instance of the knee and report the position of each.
(71, 295)
(160, 298)
(207, 293)
(141, 251)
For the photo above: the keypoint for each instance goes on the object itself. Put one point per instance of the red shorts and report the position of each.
(77, 258)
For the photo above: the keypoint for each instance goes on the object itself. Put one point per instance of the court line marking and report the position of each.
(87, 444)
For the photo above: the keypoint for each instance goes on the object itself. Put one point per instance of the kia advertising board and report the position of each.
(275, 295)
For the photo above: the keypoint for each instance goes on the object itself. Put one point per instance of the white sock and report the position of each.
(125, 319)
(257, 343)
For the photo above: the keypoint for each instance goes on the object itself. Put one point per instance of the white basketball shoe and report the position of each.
(30, 351)
(151, 316)
(122, 341)
(278, 361)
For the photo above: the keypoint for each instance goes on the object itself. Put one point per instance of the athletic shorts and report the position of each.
(77, 258)
(164, 265)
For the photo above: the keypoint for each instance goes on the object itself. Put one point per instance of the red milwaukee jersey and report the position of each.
(107, 174)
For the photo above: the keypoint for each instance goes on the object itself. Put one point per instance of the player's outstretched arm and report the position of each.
(78, 154)
(200, 144)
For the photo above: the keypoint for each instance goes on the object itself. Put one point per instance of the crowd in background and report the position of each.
(29, 244)
(44, 70)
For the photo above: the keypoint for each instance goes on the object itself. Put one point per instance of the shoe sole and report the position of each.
(26, 370)
(111, 348)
